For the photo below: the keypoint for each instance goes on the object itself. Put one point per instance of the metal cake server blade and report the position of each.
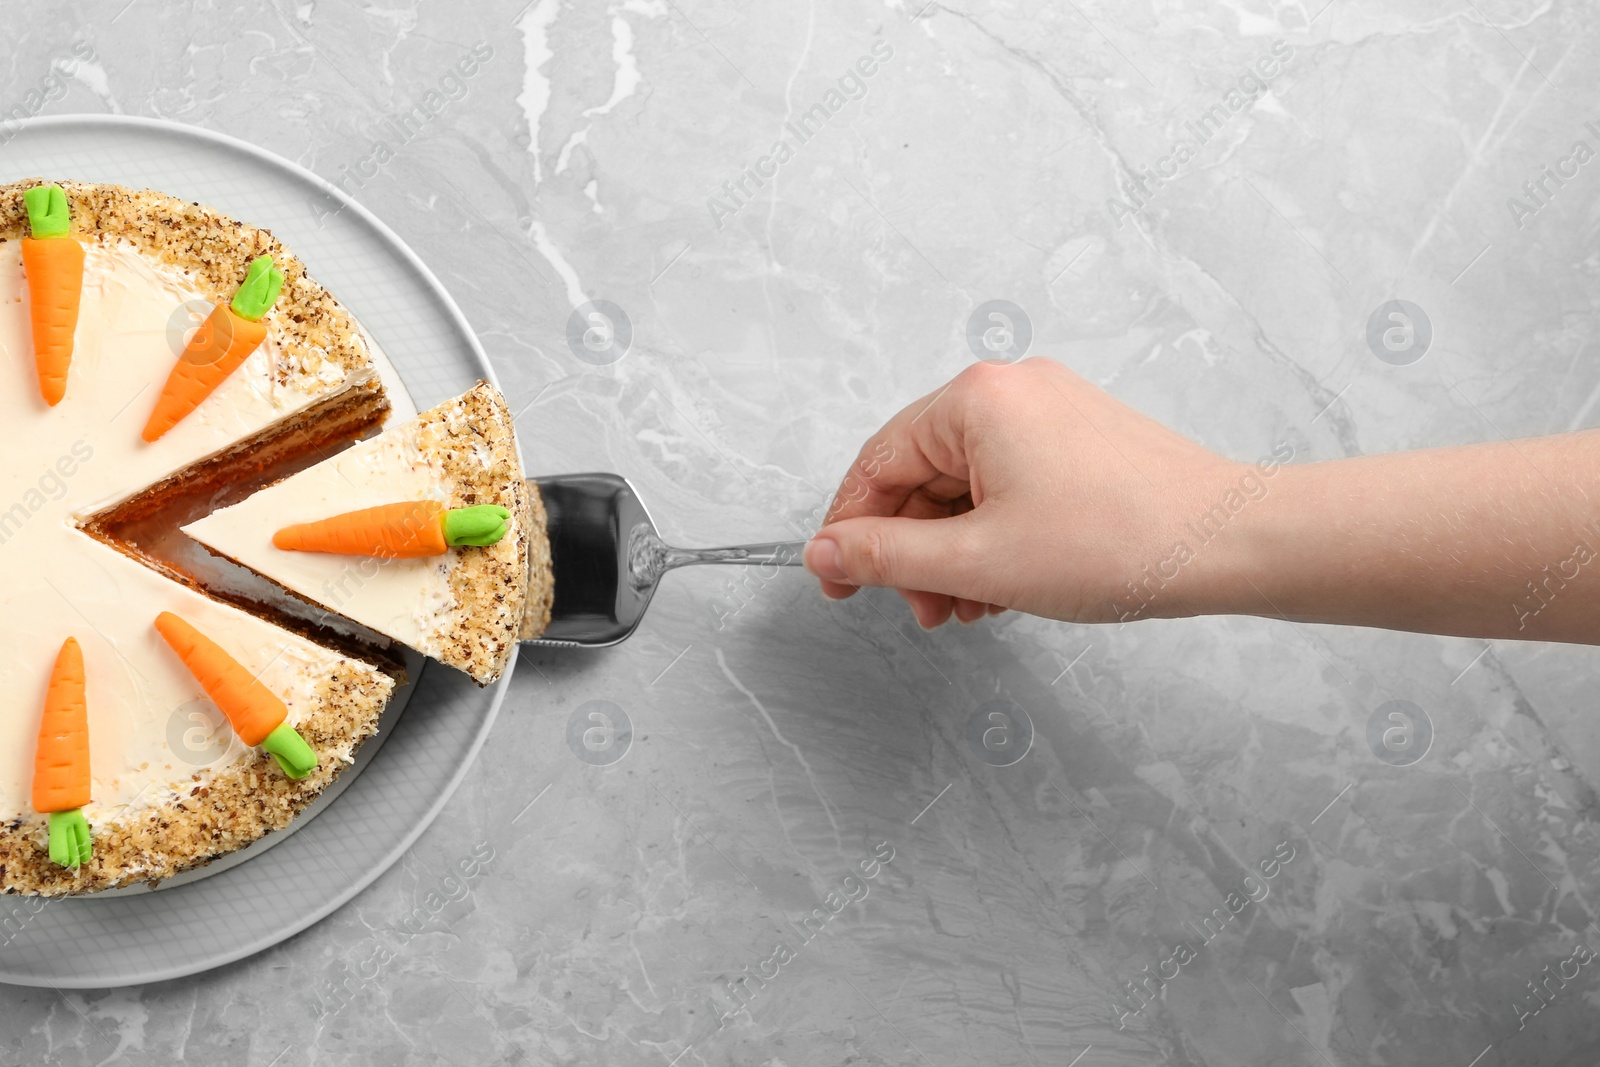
(608, 559)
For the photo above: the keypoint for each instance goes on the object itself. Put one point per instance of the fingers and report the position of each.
(932, 610)
(920, 453)
(931, 555)
(899, 517)
(970, 611)
(823, 559)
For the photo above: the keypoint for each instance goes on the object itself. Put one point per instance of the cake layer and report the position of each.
(229, 476)
(464, 608)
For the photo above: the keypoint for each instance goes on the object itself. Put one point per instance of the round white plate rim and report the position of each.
(459, 320)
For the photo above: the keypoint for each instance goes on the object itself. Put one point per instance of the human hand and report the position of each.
(1021, 486)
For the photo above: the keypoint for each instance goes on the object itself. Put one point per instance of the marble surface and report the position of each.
(806, 837)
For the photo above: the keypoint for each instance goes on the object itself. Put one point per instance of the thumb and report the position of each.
(934, 555)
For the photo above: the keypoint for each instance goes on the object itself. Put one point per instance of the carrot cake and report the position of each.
(425, 534)
(109, 402)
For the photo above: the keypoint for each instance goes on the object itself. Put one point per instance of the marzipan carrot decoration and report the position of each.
(221, 344)
(409, 530)
(61, 762)
(255, 712)
(53, 262)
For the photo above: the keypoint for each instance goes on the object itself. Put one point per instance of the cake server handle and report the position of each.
(782, 553)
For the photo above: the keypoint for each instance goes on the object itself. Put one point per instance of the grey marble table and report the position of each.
(825, 836)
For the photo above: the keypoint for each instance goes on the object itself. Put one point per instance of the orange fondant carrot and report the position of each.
(253, 709)
(61, 763)
(221, 344)
(218, 348)
(52, 260)
(407, 530)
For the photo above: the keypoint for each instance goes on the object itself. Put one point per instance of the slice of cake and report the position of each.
(425, 534)
(123, 747)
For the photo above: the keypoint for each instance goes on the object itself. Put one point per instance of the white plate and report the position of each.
(269, 892)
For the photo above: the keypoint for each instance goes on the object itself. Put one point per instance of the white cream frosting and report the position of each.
(408, 600)
(147, 715)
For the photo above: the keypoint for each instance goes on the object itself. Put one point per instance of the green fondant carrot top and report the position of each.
(48, 214)
(480, 526)
(259, 291)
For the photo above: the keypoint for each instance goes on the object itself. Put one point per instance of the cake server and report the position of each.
(608, 559)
